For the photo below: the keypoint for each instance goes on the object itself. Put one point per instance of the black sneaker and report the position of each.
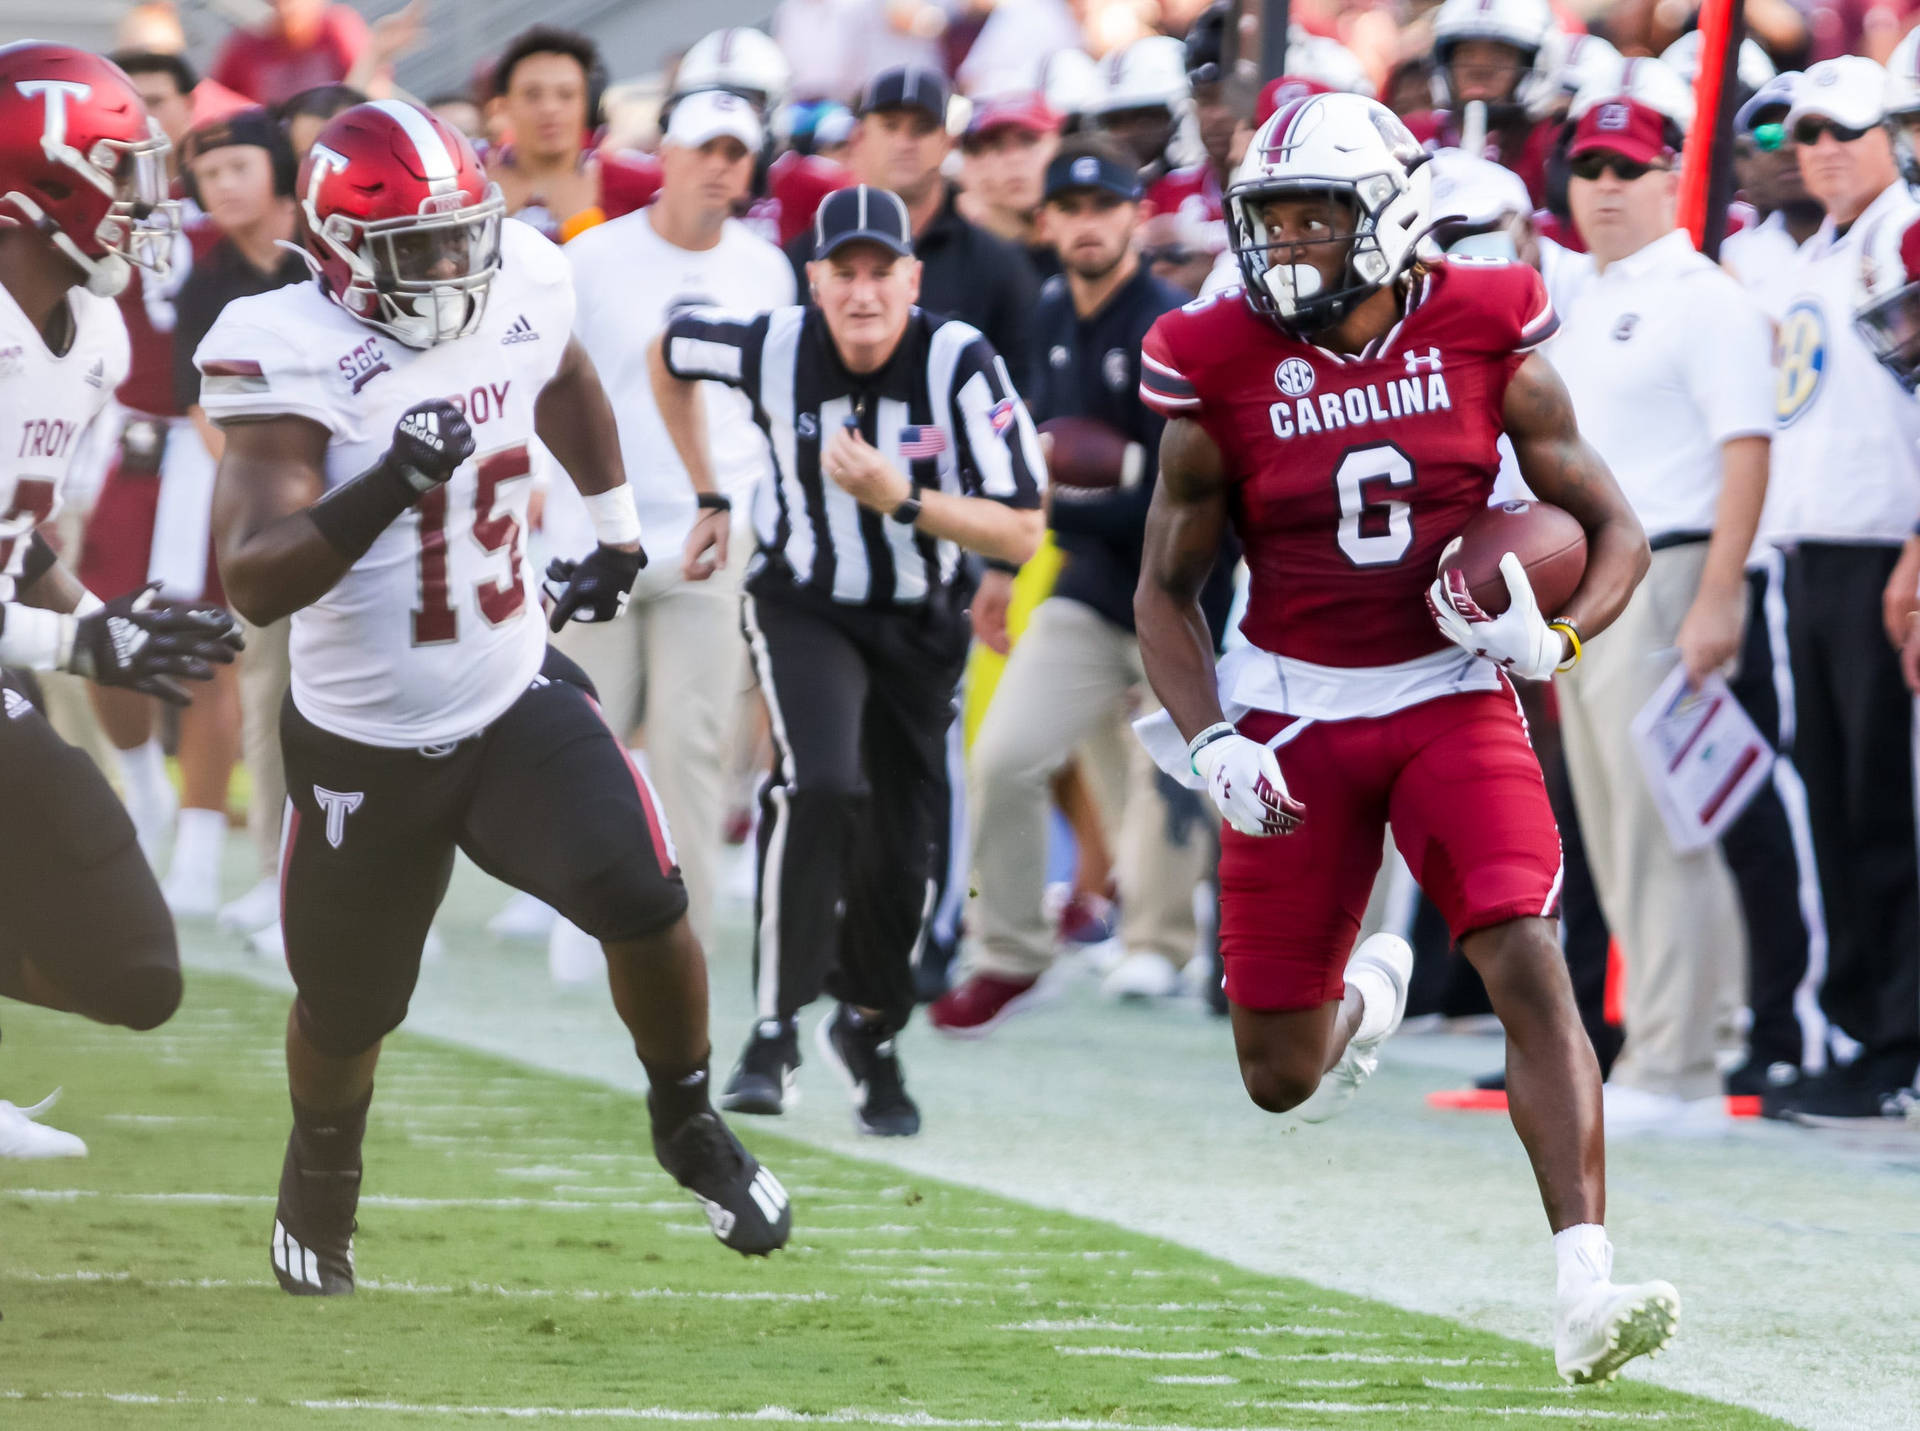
(866, 1059)
(1754, 1079)
(313, 1229)
(746, 1206)
(762, 1080)
(1840, 1095)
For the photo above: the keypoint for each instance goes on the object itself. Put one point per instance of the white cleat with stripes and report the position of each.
(1606, 1326)
(21, 1137)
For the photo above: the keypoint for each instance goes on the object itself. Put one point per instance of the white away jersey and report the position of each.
(46, 402)
(438, 628)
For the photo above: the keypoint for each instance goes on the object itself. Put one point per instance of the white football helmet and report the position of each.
(1753, 70)
(1148, 74)
(1903, 102)
(1316, 57)
(1649, 81)
(1522, 24)
(1356, 149)
(1070, 82)
(1887, 303)
(744, 61)
(1566, 65)
(1477, 206)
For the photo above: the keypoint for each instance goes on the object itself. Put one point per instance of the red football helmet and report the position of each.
(81, 162)
(401, 221)
(1887, 302)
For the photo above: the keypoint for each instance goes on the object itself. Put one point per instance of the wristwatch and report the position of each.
(908, 512)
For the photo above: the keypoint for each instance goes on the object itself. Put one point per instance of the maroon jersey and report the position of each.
(1195, 189)
(1352, 472)
(796, 185)
(149, 317)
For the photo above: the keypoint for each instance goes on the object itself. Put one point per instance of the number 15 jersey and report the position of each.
(437, 629)
(1350, 473)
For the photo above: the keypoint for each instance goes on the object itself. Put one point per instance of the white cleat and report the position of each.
(1605, 1327)
(574, 957)
(1382, 969)
(1143, 974)
(258, 906)
(523, 917)
(21, 1137)
(191, 892)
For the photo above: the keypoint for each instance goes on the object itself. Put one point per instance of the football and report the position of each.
(1086, 452)
(1548, 540)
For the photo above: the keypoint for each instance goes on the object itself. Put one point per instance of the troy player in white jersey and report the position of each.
(82, 199)
(374, 487)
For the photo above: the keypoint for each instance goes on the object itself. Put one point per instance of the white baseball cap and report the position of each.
(1850, 90)
(708, 114)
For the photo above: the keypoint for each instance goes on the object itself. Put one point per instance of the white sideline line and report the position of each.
(988, 1252)
(766, 1415)
(1376, 1407)
(1253, 1354)
(425, 1289)
(370, 1200)
(1197, 1380)
(1094, 1324)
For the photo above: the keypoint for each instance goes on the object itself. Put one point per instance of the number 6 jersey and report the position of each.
(437, 629)
(1350, 473)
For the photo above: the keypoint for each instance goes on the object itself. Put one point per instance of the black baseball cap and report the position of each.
(861, 215)
(907, 87)
(1082, 170)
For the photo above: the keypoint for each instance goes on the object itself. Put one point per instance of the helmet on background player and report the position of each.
(743, 61)
(1480, 209)
(1356, 149)
(1887, 306)
(1071, 84)
(1566, 65)
(1328, 62)
(1753, 69)
(400, 222)
(1653, 84)
(1903, 103)
(83, 164)
(1147, 76)
(1521, 25)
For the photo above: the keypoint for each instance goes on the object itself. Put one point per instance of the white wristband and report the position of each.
(35, 639)
(616, 520)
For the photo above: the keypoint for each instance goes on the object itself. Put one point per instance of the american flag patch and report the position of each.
(1000, 417)
(921, 442)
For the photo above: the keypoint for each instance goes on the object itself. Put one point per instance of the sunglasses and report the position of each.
(1808, 131)
(1769, 138)
(1593, 164)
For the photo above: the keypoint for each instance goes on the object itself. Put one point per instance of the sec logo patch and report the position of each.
(1294, 377)
(1800, 360)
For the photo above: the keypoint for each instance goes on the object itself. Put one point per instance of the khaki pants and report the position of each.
(1065, 689)
(264, 674)
(1676, 915)
(675, 661)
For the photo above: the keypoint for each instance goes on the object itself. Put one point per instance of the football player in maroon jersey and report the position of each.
(1342, 410)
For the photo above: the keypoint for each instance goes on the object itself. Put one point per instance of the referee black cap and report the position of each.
(907, 87)
(861, 215)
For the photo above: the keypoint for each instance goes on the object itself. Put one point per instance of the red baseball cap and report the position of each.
(1622, 126)
(1014, 111)
(1283, 91)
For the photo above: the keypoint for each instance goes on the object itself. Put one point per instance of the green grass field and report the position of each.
(522, 1258)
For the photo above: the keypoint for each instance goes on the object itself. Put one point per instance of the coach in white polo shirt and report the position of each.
(1667, 362)
(676, 659)
(1846, 493)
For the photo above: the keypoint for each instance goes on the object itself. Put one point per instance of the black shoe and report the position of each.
(1838, 1095)
(762, 1081)
(1755, 1079)
(1492, 1082)
(313, 1229)
(746, 1206)
(866, 1059)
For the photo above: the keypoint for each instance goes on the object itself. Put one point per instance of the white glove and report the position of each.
(1518, 640)
(1243, 777)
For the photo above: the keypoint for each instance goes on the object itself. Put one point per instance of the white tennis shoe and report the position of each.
(22, 1137)
(1599, 1330)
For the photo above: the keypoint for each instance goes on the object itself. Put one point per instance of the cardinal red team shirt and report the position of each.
(1350, 474)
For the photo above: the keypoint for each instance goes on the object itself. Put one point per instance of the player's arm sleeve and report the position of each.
(248, 370)
(1731, 376)
(996, 447)
(1164, 387)
(1535, 312)
(715, 345)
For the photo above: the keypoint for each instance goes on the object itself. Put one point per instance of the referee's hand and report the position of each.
(706, 549)
(862, 473)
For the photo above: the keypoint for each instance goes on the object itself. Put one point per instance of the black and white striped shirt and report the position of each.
(942, 410)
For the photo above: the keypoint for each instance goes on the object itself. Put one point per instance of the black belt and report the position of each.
(1677, 539)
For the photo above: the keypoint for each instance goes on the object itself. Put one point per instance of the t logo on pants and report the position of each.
(338, 804)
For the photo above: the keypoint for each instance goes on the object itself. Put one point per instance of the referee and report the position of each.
(898, 441)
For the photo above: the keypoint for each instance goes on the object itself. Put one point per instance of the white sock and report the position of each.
(144, 768)
(1376, 1001)
(1584, 1255)
(199, 839)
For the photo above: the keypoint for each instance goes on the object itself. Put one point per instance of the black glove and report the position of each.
(595, 587)
(429, 442)
(133, 641)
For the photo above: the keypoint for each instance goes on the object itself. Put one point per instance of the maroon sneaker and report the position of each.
(980, 1003)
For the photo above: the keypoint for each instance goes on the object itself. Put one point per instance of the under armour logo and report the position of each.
(1430, 358)
(338, 804)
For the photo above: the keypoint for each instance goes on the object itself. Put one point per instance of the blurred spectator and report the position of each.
(1846, 493)
(1177, 250)
(165, 82)
(1145, 102)
(152, 27)
(547, 86)
(1484, 54)
(1014, 45)
(674, 660)
(305, 114)
(1684, 427)
(305, 43)
(1766, 167)
(1074, 670)
(1196, 191)
(463, 114)
(822, 42)
(1005, 152)
(901, 144)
